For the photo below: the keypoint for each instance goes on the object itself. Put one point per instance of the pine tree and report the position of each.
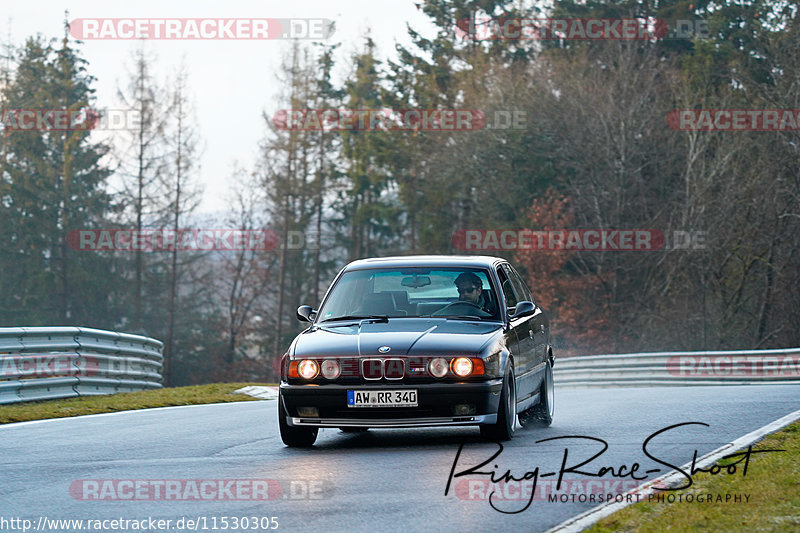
(368, 203)
(55, 183)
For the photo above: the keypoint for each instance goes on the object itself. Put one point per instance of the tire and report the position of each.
(294, 437)
(353, 430)
(541, 414)
(503, 429)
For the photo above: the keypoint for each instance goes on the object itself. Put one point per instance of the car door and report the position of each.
(538, 334)
(532, 336)
(538, 321)
(502, 299)
(525, 356)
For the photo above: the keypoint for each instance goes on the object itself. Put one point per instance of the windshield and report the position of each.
(412, 292)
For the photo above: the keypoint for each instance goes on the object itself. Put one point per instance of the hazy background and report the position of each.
(232, 82)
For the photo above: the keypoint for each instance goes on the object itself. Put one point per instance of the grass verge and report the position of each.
(110, 403)
(772, 482)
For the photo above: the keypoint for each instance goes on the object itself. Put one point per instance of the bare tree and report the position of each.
(182, 191)
(245, 274)
(143, 156)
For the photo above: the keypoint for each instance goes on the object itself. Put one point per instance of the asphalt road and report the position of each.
(384, 480)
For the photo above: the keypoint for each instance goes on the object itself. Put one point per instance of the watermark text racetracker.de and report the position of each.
(195, 240)
(783, 365)
(168, 240)
(203, 29)
(51, 365)
(199, 490)
(379, 119)
(734, 119)
(82, 119)
(412, 120)
(579, 29)
(641, 240)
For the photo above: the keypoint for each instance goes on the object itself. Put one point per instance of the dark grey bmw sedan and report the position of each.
(419, 341)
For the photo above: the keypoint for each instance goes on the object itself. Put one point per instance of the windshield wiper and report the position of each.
(464, 317)
(377, 318)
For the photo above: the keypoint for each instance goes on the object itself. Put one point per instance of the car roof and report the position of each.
(484, 261)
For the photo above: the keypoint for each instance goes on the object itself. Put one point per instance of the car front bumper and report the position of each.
(436, 405)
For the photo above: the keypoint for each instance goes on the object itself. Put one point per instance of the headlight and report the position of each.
(331, 368)
(462, 367)
(308, 369)
(437, 367)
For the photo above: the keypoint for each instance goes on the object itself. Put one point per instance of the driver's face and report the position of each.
(469, 293)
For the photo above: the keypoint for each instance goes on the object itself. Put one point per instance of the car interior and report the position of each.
(398, 304)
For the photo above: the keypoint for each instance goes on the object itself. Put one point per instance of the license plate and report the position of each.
(383, 398)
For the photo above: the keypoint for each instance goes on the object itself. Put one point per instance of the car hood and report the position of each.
(404, 336)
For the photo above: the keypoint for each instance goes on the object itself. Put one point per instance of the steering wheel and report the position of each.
(469, 309)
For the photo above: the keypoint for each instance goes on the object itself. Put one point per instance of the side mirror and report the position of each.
(522, 309)
(305, 312)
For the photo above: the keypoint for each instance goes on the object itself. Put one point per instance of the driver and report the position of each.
(469, 289)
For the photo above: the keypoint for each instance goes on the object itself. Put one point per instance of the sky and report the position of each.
(232, 82)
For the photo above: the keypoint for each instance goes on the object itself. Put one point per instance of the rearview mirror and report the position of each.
(415, 282)
(305, 312)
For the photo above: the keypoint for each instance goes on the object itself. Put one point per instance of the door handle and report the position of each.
(530, 333)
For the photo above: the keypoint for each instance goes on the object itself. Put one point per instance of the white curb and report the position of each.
(263, 393)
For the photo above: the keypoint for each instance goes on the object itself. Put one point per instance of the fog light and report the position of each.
(331, 369)
(308, 411)
(437, 367)
(308, 369)
(464, 409)
(462, 367)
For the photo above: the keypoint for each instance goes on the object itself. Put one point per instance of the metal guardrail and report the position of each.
(41, 363)
(741, 367)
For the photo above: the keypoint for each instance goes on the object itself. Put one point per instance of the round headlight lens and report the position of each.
(331, 368)
(437, 367)
(462, 367)
(308, 369)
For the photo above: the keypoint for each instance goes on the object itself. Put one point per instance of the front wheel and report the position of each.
(503, 429)
(541, 414)
(294, 437)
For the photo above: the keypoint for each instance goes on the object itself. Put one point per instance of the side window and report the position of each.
(519, 283)
(508, 287)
